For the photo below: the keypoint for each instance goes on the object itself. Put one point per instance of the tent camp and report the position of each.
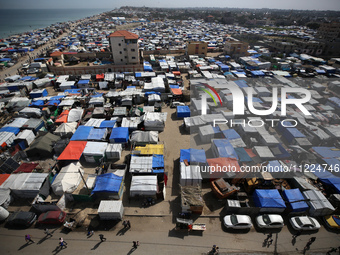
(75, 115)
(66, 129)
(269, 200)
(81, 134)
(154, 121)
(190, 175)
(144, 137)
(25, 138)
(193, 156)
(108, 186)
(67, 179)
(113, 151)
(147, 164)
(144, 186)
(42, 147)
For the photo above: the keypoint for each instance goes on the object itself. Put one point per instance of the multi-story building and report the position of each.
(124, 47)
(236, 48)
(197, 48)
(329, 31)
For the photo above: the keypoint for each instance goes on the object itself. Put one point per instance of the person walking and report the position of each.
(128, 224)
(102, 238)
(125, 224)
(47, 232)
(62, 243)
(135, 244)
(28, 239)
(90, 232)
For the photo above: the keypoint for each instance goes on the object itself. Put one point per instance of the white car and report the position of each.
(270, 221)
(304, 223)
(176, 103)
(237, 221)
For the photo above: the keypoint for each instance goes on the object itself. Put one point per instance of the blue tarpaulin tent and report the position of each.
(279, 152)
(224, 149)
(157, 163)
(269, 198)
(295, 199)
(327, 152)
(230, 134)
(83, 82)
(327, 177)
(109, 182)
(183, 111)
(38, 93)
(193, 155)
(37, 103)
(97, 134)
(14, 130)
(107, 124)
(53, 102)
(119, 135)
(81, 134)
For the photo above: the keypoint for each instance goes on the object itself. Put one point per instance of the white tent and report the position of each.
(31, 112)
(68, 179)
(27, 136)
(75, 115)
(318, 203)
(67, 85)
(190, 175)
(6, 137)
(143, 186)
(113, 151)
(144, 137)
(94, 151)
(110, 210)
(155, 121)
(66, 129)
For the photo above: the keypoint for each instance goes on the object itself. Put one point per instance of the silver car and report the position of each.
(270, 221)
(304, 223)
(237, 221)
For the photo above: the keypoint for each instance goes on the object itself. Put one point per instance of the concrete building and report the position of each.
(197, 48)
(236, 48)
(329, 31)
(124, 47)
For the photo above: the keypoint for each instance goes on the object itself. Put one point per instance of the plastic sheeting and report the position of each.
(81, 134)
(144, 137)
(107, 183)
(318, 203)
(143, 185)
(75, 115)
(193, 156)
(268, 198)
(295, 199)
(327, 152)
(98, 134)
(183, 111)
(119, 135)
(94, 151)
(73, 151)
(223, 148)
(66, 129)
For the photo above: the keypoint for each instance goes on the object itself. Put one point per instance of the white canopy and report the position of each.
(66, 128)
(68, 179)
(75, 115)
(143, 185)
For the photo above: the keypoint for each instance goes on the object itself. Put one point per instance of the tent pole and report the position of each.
(84, 181)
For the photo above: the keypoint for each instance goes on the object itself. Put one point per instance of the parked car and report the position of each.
(270, 221)
(174, 104)
(333, 221)
(21, 219)
(32, 70)
(25, 66)
(304, 223)
(237, 221)
(52, 217)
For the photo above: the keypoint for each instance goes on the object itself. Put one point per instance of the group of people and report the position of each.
(62, 243)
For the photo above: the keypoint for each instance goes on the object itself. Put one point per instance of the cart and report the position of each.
(70, 225)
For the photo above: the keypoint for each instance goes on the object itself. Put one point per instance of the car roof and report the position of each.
(243, 218)
(306, 220)
(275, 218)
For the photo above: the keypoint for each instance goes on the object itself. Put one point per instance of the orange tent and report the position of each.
(218, 167)
(63, 117)
(100, 77)
(73, 150)
(176, 91)
(176, 73)
(3, 178)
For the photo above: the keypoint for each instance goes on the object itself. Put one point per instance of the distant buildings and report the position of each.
(236, 48)
(197, 48)
(329, 33)
(124, 47)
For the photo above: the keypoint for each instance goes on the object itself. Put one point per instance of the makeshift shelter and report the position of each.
(318, 203)
(144, 137)
(25, 138)
(81, 134)
(108, 124)
(234, 138)
(94, 152)
(73, 151)
(75, 115)
(66, 129)
(31, 112)
(190, 175)
(327, 178)
(110, 210)
(144, 185)
(147, 164)
(62, 118)
(5, 196)
(295, 200)
(263, 152)
(150, 149)
(269, 200)
(9, 166)
(108, 186)
(183, 111)
(223, 148)
(60, 146)
(113, 151)
(6, 139)
(119, 135)
(68, 179)
(193, 156)
(31, 186)
(35, 93)
(93, 122)
(42, 147)
(154, 121)
(97, 134)
(34, 124)
(221, 168)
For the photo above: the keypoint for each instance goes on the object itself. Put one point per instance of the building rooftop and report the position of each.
(125, 34)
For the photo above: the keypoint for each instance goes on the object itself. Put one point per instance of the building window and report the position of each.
(119, 44)
(133, 57)
(121, 60)
(120, 52)
(124, 49)
(203, 48)
(133, 50)
(125, 57)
